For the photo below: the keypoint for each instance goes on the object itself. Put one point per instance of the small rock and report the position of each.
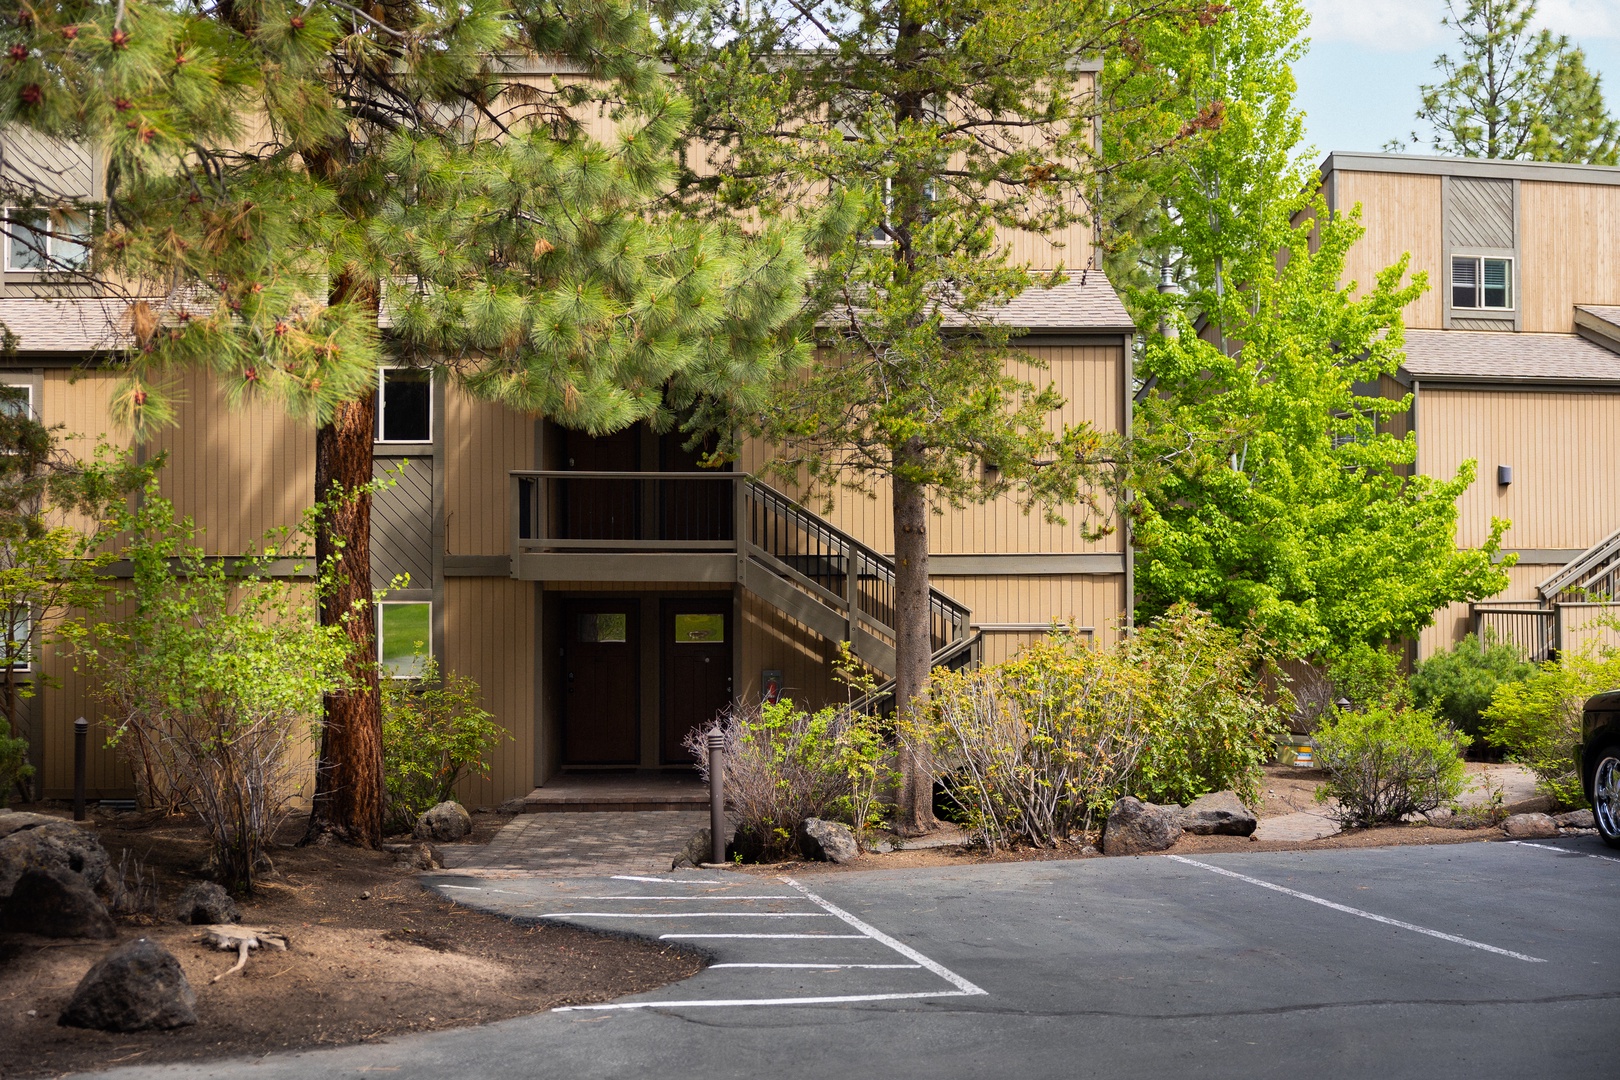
(828, 841)
(204, 903)
(47, 843)
(134, 987)
(883, 847)
(445, 823)
(1575, 819)
(1090, 849)
(366, 895)
(1442, 816)
(1530, 827)
(514, 805)
(1135, 827)
(696, 852)
(55, 903)
(1221, 813)
(418, 857)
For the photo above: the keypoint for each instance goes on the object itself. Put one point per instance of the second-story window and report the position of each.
(404, 405)
(1481, 283)
(41, 240)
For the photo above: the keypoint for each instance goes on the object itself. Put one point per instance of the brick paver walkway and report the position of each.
(574, 844)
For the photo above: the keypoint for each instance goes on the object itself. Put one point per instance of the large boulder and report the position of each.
(444, 824)
(47, 843)
(55, 903)
(134, 987)
(1221, 813)
(1135, 827)
(1530, 827)
(828, 841)
(204, 903)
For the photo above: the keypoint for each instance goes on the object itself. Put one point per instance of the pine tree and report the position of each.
(282, 176)
(910, 138)
(1514, 92)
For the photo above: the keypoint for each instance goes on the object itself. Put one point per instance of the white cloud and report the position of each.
(1402, 25)
(1582, 20)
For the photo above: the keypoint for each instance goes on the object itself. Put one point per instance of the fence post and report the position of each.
(717, 796)
(81, 734)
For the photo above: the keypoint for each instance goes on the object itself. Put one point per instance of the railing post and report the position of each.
(717, 796)
(852, 590)
(81, 737)
(515, 509)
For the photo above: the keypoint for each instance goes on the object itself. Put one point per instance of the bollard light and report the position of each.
(81, 733)
(717, 796)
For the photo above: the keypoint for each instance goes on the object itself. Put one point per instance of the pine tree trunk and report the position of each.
(349, 784)
(913, 648)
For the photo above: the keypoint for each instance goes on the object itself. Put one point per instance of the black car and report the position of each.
(1600, 762)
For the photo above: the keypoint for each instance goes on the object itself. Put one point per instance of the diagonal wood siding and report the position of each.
(402, 522)
(1479, 213)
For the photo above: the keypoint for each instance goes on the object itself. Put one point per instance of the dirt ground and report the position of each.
(371, 954)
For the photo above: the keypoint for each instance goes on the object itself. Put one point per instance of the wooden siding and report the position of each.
(482, 443)
(1570, 251)
(402, 522)
(1452, 623)
(489, 636)
(771, 640)
(1564, 448)
(1591, 627)
(1401, 214)
(1094, 600)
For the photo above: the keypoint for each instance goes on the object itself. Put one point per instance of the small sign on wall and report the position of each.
(770, 686)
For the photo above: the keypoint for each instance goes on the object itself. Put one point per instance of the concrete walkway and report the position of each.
(568, 845)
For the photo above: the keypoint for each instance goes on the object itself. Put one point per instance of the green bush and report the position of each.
(1369, 676)
(1385, 763)
(1458, 683)
(1209, 721)
(1537, 721)
(434, 733)
(14, 766)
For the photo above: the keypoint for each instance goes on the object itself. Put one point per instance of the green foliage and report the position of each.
(1537, 721)
(1385, 763)
(1458, 683)
(1370, 675)
(1210, 721)
(434, 733)
(783, 764)
(212, 681)
(1515, 92)
(14, 767)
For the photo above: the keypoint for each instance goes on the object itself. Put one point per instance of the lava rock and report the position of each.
(696, 852)
(829, 841)
(417, 857)
(1135, 827)
(515, 805)
(1575, 819)
(55, 903)
(1530, 827)
(47, 843)
(445, 823)
(1221, 813)
(204, 903)
(134, 987)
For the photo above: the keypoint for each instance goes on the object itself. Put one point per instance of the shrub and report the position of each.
(1458, 683)
(1385, 763)
(784, 764)
(434, 733)
(1369, 676)
(1537, 721)
(14, 767)
(1039, 746)
(1210, 721)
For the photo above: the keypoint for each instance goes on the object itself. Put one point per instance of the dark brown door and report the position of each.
(596, 509)
(697, 669)
(601, 683)
(691, 509)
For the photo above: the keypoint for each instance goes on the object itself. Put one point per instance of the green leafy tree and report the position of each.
(909, 138)
(1515, 92)
(282, 176)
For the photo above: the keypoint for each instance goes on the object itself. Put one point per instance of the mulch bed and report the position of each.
(372, 954)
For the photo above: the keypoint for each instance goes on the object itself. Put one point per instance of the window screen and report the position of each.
(26, 239)
(405, 406)
(1465, 283)
(1498, 283)
(604, 626)
(404, 630)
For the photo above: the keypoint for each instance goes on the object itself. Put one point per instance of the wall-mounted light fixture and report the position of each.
(1504, 475)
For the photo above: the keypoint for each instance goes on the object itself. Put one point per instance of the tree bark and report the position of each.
(349, 782)
(913, 648)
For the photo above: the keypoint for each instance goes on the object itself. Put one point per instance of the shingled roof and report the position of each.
(1086, 303)
(1505, 356)
(67, 324)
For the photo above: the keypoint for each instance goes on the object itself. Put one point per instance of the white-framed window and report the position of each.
(1481, 283)
(39, 240)
(16, 399)
(19, 630)
(404, 637)
(404, 405)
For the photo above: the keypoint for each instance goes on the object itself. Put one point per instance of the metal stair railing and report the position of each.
(957, 655)
(1591, 573)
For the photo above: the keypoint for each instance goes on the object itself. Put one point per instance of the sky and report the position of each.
(1358, 85)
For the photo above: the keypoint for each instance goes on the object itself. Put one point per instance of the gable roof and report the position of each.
(1506, 356)
(1086, 303)
(67, 324)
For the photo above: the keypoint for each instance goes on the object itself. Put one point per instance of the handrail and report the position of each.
(868, 702)
(1580, 565)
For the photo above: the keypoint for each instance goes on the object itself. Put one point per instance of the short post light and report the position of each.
(717, 796)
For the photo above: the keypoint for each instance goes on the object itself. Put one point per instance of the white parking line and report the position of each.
(1565, 851)
(698, 899)
(824, 937)
(820, 967)
(667, 881)
(700, 1004)
(685, 915)
(1358, 912)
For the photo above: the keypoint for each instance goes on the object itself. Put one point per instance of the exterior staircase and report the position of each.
(1587, 583)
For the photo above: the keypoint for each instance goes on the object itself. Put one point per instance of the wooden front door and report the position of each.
(601, 683)
(696, 642)
(596, 509)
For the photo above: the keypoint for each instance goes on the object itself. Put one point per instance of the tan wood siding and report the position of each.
(1094, 600)
(1570, 255)
(1589, 628)
(771, 640)
(482, 443)
(1401, 214)
(1452, 623)
(489, 637)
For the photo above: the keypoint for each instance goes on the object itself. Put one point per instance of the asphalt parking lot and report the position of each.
(1473, 960)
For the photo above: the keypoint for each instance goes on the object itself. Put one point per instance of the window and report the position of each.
(404, 405)
(700, 629)
(404, 630)
(38, 240)
(19, 630)
(16, 400)
(607, 627)
(1481, 283)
